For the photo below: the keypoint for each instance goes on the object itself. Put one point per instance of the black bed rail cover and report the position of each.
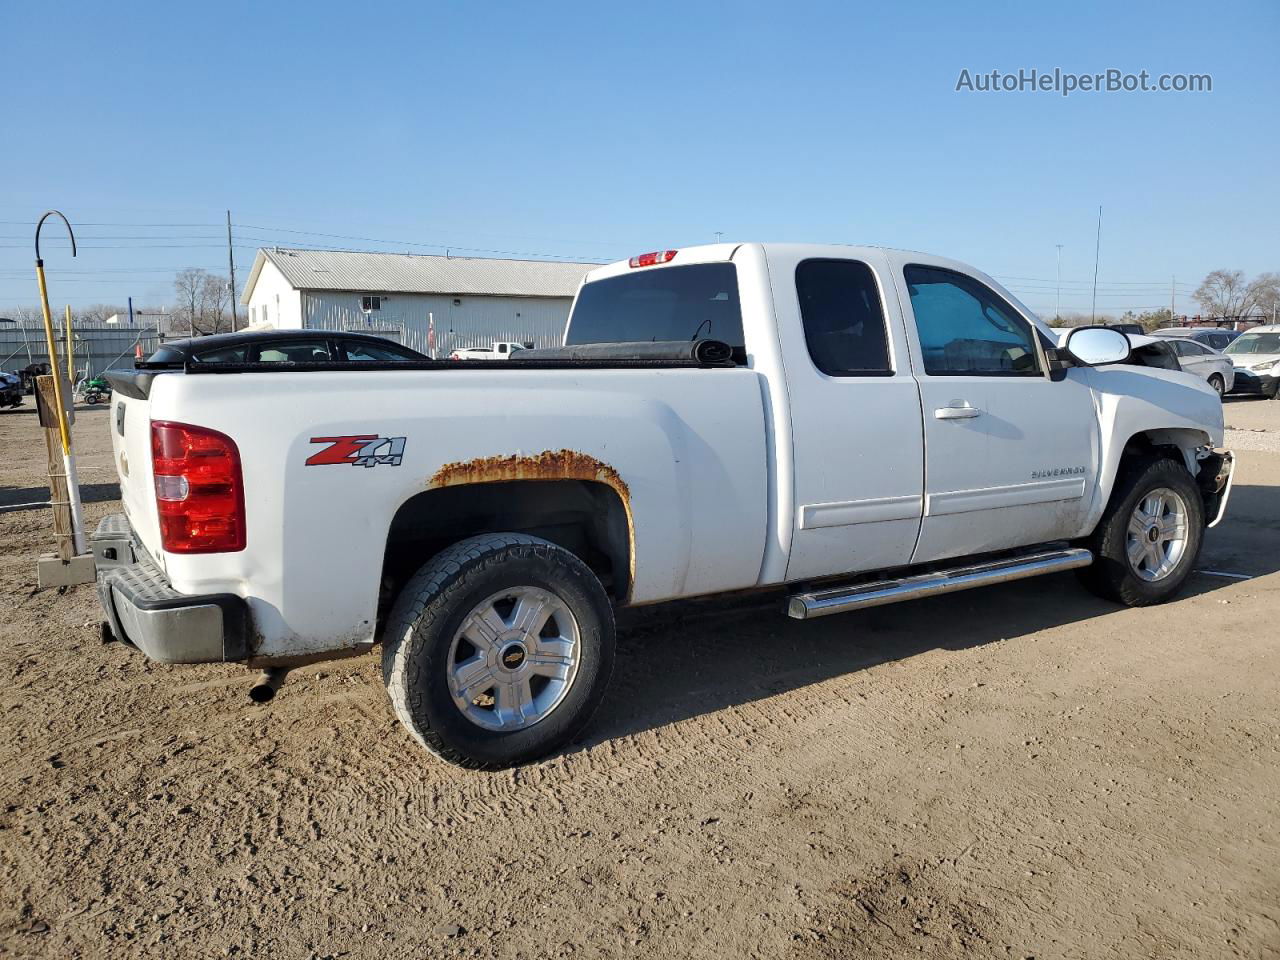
(336, 366)
(705, 351)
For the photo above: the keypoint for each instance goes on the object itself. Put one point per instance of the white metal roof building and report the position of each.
(470, 301)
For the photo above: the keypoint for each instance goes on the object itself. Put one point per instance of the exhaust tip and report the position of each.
(264, 690)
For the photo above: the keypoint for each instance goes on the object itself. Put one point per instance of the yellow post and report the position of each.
(52, 343)
(64, 431)
(71, 366)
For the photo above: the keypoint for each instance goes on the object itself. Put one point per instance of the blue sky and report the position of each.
(602, 130)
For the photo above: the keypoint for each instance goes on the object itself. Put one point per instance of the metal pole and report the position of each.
(1058, 310)
(26, 343)
(231, 262)
(1173, 297)
(71, 364)
(1097, 251)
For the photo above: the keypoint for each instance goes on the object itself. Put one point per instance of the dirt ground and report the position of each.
(1020, 771)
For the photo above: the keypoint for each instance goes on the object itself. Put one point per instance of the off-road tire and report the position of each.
(430, 609)
(1110, 575)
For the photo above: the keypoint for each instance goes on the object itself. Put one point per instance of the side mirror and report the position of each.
(1096, 346)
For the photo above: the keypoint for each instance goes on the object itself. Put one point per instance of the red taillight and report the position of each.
(199, 489)
(652, 259)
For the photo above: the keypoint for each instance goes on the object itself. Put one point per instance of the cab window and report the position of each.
(364, 350)
(844, 324)
(966, 328)
(223, 355)
(294, 351)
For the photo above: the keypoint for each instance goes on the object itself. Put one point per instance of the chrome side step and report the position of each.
(820, 603)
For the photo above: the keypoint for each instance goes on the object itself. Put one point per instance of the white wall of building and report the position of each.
(275, 301)
(462, 321)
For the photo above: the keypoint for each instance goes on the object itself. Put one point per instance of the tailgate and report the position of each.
(131, 452)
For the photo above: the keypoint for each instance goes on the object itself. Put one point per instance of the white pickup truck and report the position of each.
(500, 350)
(875, 425)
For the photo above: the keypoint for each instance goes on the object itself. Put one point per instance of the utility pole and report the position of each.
(1097, 252)
(1173, 298)
(1058, 310)
(231, 263)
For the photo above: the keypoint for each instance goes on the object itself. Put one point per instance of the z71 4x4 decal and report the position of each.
(361, 451)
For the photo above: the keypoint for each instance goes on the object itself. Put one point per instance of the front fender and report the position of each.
(1166, 408)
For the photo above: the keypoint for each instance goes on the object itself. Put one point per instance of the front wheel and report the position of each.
(1149, 537)
(1219, 385)
(498, 650)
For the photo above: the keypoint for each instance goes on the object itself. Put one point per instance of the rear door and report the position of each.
(855, 413)
(1010, 454)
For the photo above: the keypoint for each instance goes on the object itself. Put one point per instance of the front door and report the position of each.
(1010, 454)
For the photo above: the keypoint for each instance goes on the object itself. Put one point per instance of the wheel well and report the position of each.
(587, 518)
(1173, 444)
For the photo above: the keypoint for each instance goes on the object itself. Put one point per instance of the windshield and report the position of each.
(1255, 343)
(672, 303)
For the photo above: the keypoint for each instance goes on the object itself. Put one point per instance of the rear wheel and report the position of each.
(1149, 537)
(498, 650)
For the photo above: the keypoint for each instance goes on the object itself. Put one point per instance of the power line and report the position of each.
(32, 223)
(1145, 283)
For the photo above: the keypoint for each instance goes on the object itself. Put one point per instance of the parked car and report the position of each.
(284, 346)
(901, 427)
(1215, 337)
(1202, 360)
(11, 391)
(1256, 355)
(501, 350)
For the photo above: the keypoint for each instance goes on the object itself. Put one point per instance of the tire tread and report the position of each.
(419, 606)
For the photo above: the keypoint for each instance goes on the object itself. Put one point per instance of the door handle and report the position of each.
(957, 410)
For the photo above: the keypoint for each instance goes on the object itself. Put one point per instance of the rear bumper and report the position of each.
(145, 611)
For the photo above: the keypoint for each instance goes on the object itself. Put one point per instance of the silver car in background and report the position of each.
(1202, 360)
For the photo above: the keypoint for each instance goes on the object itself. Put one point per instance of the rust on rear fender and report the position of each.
(548, 465)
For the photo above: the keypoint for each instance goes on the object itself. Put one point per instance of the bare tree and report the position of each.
(202, 301)
(1266, 295)
(213, 299)
(189, 286)
(1224, 293)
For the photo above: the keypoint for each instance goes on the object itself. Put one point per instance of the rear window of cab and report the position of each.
(669, 303)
